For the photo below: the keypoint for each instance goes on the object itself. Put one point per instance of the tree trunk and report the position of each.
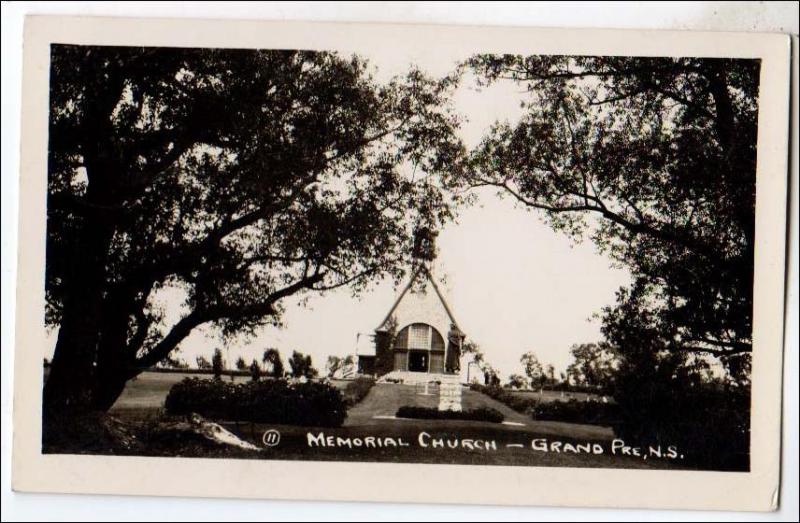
(115, 358)
(69, 387)
(108, 387)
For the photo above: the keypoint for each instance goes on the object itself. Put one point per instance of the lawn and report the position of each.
(510, 443)
(502, 444)
(149, 389)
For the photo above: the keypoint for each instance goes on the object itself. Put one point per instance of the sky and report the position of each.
(513, 284)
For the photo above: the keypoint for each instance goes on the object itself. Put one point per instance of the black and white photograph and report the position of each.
(376, 255)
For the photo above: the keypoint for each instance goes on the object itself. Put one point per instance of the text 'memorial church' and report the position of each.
(418, 335)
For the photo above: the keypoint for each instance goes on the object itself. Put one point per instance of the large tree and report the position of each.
(653, 159)
(302, 366)
(333, 365)
(222, 181)
(533, 369)
(273, 365)
(593, 365)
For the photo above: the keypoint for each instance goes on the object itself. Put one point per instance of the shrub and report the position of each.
(479, 414)
(709, 423)
(255, 370)
(269, 401)
(357, 390)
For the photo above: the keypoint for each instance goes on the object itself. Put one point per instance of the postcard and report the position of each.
(401, 263)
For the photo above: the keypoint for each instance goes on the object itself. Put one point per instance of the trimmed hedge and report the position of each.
(479, 414)
(269, 401)
(357, 390)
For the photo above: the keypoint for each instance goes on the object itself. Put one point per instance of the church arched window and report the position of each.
(419, 336)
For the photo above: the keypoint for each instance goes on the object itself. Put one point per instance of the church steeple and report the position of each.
(424, 252)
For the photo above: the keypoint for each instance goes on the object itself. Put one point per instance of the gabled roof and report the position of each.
(422, 270)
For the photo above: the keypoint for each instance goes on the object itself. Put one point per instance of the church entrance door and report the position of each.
(418, 361)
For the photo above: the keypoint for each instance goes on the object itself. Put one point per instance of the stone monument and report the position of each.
(450, 393)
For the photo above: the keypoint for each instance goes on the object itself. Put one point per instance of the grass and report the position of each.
(141, 404)
(149, 389)
(355, 391)
(385, 399)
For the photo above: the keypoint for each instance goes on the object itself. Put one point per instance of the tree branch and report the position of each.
(162, 349)
(718, 352)
(197, 317)
(602, 209)
(729, 347)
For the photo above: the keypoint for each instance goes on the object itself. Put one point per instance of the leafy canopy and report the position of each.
(233, 178)
(654, 160)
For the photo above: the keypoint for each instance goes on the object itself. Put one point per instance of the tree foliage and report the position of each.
(173, 363)
(593, 365)
(342, 366)
(673, 397)
(301, 366)
(217, 364)
(223, 181)
(515, 381)
(550, 374)
(255, 370)
(349, 364)
(273, 364)
(333, 365)
(533, 369)
(654, 160)
(203, 363)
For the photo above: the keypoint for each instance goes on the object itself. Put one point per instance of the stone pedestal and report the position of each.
(450, 393)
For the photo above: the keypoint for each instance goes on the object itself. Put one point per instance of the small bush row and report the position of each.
(271, 401)
(479, 414)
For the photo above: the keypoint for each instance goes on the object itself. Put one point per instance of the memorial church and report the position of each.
(418, 335)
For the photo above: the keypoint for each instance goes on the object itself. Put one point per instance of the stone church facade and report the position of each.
(419, 333)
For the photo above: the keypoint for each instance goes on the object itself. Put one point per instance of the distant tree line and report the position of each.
(270, 365)
(592, 369)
